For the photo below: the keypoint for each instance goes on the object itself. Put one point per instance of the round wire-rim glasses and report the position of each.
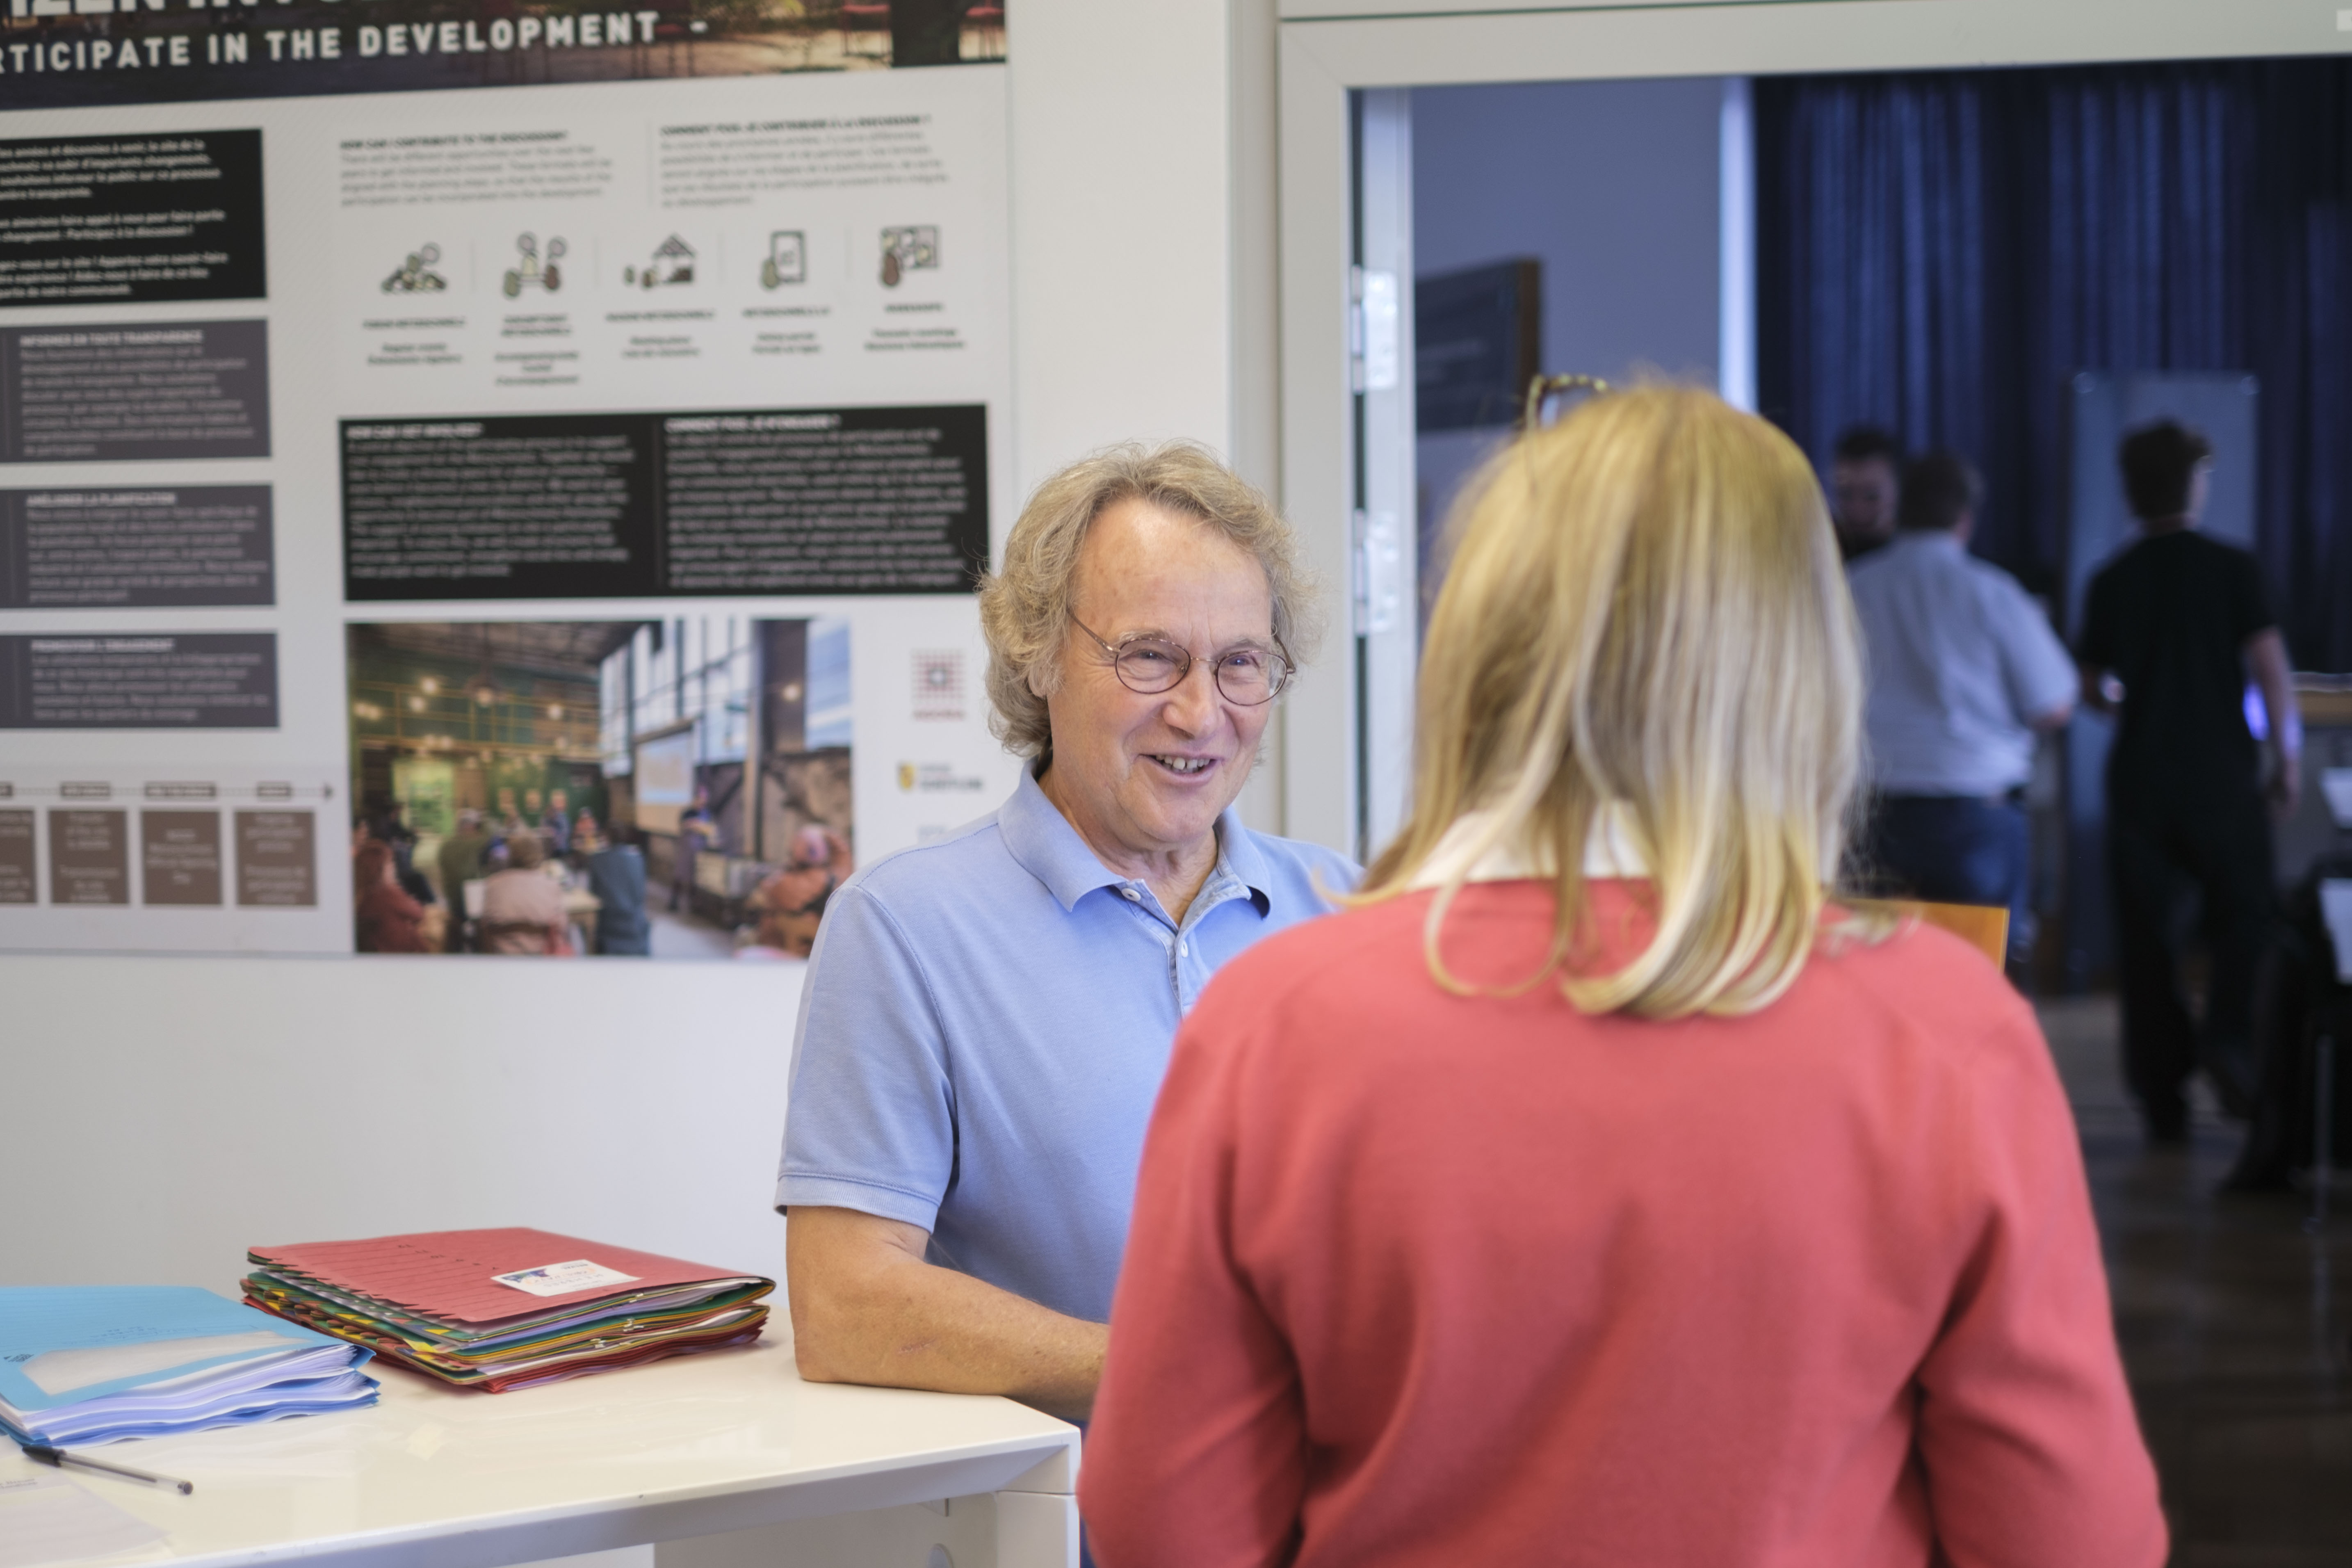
(1544, 388)
(1148, 666)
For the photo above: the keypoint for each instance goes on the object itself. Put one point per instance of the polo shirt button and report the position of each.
(1129, 894)
(1185, 948)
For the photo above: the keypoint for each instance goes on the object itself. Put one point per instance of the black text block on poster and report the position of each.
(850, 501)
(132, 219)
(112, 547)
(277, 859)
(89, 857)
(180, 858)
(127, 392)
(558, 506)
(202, 680)
(17, 884)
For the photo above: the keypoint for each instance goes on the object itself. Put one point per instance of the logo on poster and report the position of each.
(937, 778)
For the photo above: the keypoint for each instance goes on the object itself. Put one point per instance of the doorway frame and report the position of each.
(1330, 51)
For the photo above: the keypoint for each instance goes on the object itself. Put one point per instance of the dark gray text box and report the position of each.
(109, 547)
(201, 680)
(127, 390)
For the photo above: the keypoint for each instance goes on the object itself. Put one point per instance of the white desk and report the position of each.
(695, 1446)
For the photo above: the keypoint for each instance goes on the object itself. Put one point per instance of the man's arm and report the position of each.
(868, 1308)
(2265, 653)
(2039, 673)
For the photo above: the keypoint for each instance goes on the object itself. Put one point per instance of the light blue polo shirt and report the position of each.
(984, 1029)
(1962, 662)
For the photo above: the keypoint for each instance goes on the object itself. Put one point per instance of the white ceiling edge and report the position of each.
(1740, 37)
(1353, 10)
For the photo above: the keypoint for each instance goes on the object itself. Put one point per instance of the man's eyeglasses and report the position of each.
(1245, 677)
(1544, 388)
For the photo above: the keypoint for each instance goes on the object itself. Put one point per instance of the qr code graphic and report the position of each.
(938, 684)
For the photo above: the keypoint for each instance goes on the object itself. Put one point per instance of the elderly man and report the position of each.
(987, 1017)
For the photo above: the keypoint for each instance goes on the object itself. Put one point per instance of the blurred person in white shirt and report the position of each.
(1965, 671)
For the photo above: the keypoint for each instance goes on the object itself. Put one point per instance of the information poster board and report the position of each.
(438, 425)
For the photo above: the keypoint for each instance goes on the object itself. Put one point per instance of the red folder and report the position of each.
(449, 1274)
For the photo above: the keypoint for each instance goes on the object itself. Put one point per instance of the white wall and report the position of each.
(159, 1115)
(1122, 239)
(163, 1114)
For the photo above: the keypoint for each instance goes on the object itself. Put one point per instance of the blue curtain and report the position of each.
(1939, 252)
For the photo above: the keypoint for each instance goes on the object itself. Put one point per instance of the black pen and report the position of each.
(83, 1462)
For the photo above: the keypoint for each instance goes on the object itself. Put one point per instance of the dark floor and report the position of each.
(2234, 1324)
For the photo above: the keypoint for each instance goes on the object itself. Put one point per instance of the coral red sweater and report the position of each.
(1418, 1277)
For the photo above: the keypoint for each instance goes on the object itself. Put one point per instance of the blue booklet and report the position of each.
(98, 1363)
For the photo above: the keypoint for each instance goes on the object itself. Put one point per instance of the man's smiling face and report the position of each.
(1151, 773)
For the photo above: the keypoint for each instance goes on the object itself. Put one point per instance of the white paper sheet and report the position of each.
(2335, 785)
(47, 1519)
(62, 1372)
(2336, 906)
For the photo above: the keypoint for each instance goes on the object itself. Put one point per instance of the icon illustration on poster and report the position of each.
(528, 272)
(415, 275)
(787, 259)
(908, 249)
(673, 262)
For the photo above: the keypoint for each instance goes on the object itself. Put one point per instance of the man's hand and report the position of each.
(2266, 656)
(868, 1308)
(2096, 695)
(2285, 786)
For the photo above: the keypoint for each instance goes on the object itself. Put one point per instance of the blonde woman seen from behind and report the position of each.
(1596, 1191)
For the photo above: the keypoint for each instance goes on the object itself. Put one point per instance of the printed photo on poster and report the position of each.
(671, 788)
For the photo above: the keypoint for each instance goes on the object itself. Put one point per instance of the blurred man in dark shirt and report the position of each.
(2171, 630)
(1865, 469)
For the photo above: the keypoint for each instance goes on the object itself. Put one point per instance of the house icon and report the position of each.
(673, 262)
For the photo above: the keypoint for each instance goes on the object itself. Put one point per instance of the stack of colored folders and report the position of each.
(497, 1310)
(99, 1363)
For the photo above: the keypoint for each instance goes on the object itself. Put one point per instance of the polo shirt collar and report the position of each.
(1238, 855)
(1937, 539)
(1042, 839)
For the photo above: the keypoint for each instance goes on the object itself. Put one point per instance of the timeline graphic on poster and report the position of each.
(445, 428)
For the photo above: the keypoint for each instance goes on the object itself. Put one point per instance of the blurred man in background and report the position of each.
(2171, 630)
(462, 860)
(696, 833)
(1964, 671)
(1865, 469)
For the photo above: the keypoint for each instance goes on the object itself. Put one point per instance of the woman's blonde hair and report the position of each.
(1645, 607)
(1025, 608)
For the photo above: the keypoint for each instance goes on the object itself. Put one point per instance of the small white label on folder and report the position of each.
(562, 1278)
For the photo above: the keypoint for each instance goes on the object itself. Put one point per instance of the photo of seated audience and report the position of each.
(388, 918)
(590, 788)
